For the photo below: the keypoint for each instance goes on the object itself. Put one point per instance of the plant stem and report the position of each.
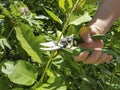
(46, 68)
(53, 53)
(10, 32)
(68, 19)
(8, 35)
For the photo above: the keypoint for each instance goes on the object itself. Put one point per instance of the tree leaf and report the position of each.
(82, 19)
(53, 16)
(70, 3)
(22, 72)
(62, 4)
(5, 11)
(3, 43)
(8, 69)
(62, 88)
(2, 16)
(29, 42)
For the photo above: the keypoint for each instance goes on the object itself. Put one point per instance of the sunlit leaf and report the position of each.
(5, 11)
(2, 16)
(49, 73)
(82, 19)
(29, 42)
(51, 76)
(62, 4)
(21, 72)
(62, 88)
(58, 34)
(53, 16)
(4, 43)
(70, 3)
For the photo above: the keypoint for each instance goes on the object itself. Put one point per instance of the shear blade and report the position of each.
(48, 44)
(51, 48)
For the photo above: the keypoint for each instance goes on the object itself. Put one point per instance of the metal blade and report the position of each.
(51, 48)
(49, 44)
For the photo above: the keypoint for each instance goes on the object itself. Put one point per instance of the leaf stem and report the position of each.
(10, 32)
(68, 19)
(77, 4)
(46, 68)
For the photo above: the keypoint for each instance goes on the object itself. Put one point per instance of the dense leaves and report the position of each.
(28, 41)
(20, 72)
(23, 66)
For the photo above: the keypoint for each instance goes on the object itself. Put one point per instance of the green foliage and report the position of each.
(29, 42)
(53, 16)
(20, 72)
(80, 19)
(23, 66)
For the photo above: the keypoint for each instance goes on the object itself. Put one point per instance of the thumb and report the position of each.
(85, 34)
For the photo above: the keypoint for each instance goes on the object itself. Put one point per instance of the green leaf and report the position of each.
(70, 3)
(49, 73)
(53, 16)
(29, 42)
(51, 76)
(62, 4)
(71, 30)
(5, 11)
(82, 19)
(52, 87)
(2, 16)
(58, 34)
(21, 72)
(62, 88)
(8, 69)
(3, 43)
(15, 9)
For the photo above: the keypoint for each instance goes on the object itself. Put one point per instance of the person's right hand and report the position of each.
(97, 56)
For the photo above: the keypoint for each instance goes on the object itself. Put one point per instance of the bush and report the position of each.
(26, 23)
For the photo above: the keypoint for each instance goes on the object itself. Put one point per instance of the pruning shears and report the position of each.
(69, 44)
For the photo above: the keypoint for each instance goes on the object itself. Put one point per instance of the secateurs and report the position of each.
(68, 43)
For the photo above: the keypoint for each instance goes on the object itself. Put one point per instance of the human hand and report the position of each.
(97, 56)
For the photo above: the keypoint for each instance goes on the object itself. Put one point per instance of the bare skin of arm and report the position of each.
(107, 13)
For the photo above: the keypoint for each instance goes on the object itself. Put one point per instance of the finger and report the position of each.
(109, 58)
(93, 57)
(82, 56)
(85, 34)
(102, 58)
(87, 37)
